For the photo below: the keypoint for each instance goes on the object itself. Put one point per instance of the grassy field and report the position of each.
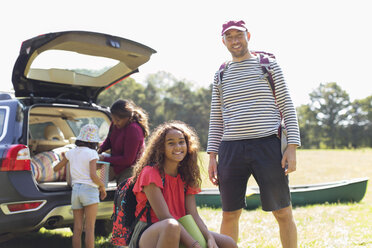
(326, 225)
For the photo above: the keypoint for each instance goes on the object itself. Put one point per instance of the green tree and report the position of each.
(125, 89)
(157, 85)
(330, 120)
(170, 99)
(360, 123)
(189, 105)
(154, 104)
(309, 129)
(330, 103)
(201, 114)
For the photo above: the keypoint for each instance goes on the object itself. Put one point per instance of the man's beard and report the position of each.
(239, 54)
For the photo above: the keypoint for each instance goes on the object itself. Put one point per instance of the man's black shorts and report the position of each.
(238, 160)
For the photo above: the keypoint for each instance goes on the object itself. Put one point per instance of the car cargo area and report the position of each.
(53, 131)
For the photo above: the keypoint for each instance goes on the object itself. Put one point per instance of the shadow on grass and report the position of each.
(39, 240)
(47, 239)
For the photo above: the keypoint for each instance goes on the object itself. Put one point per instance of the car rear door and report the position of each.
(56, 65)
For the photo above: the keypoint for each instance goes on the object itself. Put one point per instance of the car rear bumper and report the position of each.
(63, 216)
(55, 212)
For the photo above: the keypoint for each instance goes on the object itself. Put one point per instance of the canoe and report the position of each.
(352, 190)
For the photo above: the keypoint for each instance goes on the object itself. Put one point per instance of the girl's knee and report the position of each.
(230, 242)
(166, 231)
(172, 226)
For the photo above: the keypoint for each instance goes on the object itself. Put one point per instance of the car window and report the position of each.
(94, 66)
(37, 130)
(78, 123)
(3, 114)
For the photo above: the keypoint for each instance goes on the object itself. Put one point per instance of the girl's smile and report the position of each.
(175, 147)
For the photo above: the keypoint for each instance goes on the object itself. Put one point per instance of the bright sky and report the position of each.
(314, 41)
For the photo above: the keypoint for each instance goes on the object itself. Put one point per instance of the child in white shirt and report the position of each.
(87, 187)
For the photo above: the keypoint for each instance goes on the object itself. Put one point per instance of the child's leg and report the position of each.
(78, 227)
(90, 220)
(165, 233)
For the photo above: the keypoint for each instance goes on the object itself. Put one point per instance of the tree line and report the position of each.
(330, 120)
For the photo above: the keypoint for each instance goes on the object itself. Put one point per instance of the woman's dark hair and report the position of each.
(91, 145)
(127, 108)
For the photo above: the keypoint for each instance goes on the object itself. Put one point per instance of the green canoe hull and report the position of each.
(352, 190)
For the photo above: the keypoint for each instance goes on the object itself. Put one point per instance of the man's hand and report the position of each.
(289, 158)
(212, 168)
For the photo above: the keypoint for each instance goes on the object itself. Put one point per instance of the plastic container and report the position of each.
(103, 172)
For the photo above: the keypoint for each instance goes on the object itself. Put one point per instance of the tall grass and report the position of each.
(323, 225)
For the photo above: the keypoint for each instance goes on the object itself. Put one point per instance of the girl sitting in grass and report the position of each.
(168, 177)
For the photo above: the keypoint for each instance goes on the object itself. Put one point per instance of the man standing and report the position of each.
(244, 121)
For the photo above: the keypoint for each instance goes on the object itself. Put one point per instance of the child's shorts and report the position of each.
(83, 195)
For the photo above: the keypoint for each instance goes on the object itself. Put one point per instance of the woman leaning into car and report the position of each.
(128, 130)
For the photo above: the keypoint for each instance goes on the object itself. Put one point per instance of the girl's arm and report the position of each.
(106, 143)
(104, 146)
(160, 207)
(191, 209)
(95, 178)
(61, 163)
(157, 201)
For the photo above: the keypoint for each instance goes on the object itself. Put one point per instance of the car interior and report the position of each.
(53, 131)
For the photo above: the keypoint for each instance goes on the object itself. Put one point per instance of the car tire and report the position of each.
(103, 228)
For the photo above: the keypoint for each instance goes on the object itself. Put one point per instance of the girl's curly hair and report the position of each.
(154, 154)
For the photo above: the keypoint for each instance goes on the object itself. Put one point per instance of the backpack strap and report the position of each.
(264, 59)
(148, 207)
(220, 73)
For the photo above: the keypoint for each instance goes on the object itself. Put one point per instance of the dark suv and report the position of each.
(57, 79)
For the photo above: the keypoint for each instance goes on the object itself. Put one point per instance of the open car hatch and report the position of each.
(75, 65)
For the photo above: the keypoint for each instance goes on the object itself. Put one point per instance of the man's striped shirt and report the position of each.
(249, 109)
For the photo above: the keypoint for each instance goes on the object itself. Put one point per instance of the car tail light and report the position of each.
(20, 207)
(16, 159)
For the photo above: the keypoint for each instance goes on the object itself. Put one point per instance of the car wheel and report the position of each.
(103, 228)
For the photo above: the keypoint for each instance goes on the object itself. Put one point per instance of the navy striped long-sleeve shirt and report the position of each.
(249, 109)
